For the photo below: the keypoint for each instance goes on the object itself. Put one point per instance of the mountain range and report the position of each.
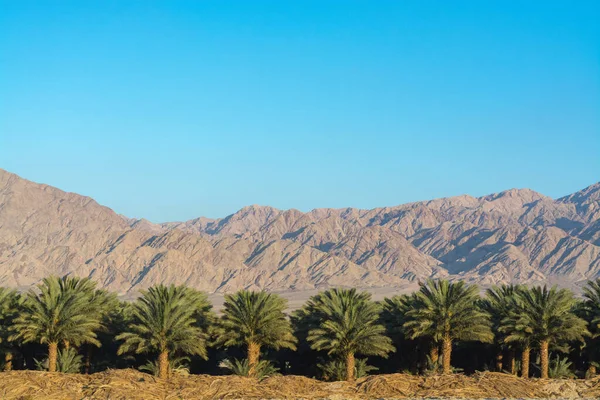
(517, 235)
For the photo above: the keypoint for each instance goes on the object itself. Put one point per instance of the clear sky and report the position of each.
(176, 109)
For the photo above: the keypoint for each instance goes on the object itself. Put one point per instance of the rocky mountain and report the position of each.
(514, 236)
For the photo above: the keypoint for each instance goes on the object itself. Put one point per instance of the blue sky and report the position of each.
(172, 110)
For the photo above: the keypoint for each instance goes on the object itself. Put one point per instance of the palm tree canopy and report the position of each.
(6, 296)
(347, 323)
(499, 303)
(67, 309)
(9, 308)
(545, 314)
(168, 318)
(395, 313)
(444, 309)
(591, 303)
(256, 317)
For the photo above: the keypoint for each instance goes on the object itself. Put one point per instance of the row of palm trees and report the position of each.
(169, 322)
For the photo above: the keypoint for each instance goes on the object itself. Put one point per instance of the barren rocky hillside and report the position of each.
(514, 236)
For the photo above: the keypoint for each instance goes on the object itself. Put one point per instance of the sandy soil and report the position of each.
(134, 385)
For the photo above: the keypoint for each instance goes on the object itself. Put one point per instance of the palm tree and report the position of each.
(545, 316)
(591, 295)
(393, 316)
(590, 310)
(394, 312)
(516, 333)
(106, 305)
(347, 325)
(9, 309)
(168, 320)
(65, 310)
(255, 320)
(447, 312)
(499, 303)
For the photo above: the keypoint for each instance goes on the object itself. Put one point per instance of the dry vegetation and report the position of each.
(132, 384)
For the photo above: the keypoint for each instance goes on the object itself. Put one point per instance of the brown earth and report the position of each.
(134, 385)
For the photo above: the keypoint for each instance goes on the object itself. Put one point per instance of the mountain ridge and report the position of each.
(517, 235)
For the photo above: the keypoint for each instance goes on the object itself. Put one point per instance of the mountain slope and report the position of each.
(514, 236)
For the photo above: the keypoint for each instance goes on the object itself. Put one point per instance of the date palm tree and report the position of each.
(63, 310)
(545, 316)
(591, 296)
(255, 320)
(347, 325)
(393, 316)
(168, 320)
(448, 312)
(106, 304)
(515, 333)
(589, 309)
(394, 312)
(499, 303)
(9, 309)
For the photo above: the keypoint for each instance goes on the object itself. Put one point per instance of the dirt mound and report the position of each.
(134, 385)
(481, 385)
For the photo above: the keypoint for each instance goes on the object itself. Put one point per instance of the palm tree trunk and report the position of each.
(544, 358)
(67, 344)
(422, 359)
(52, 356)
(350, 367)
(8, 357)
(525, 362)
(446, 354)
(511, 362)
(88, 359)
(499, 358)
(253, 358)
(163, 364)
(434, 353)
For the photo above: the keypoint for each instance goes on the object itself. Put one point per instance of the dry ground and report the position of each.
(131, 384)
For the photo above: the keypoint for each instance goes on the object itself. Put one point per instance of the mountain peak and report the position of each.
(257, 208)
(524, 195)
(590, 193)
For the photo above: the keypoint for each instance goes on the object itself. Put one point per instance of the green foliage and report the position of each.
(591, 305)
(543, 314)
(511, 328)
(177, 366)
(332, 327)
(433, 367)
(10, 302)
(499, 303)
(394, 313)
(264, 368)
(560, 368)
(436, 367)
(255, 317)
(7, 300)
(168, 319)
(63, 310)
(69, 361)
(346, 322)
(335, 370)
(443, 309)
